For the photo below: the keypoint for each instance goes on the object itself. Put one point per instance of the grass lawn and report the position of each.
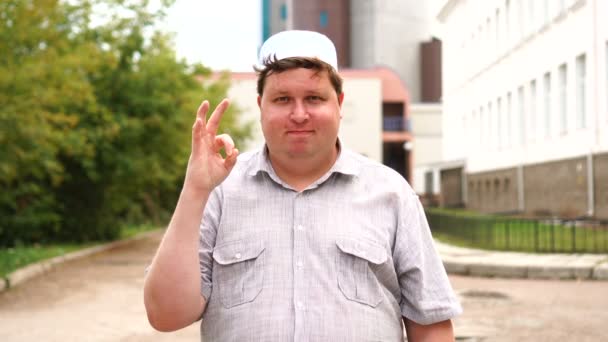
(14, 258)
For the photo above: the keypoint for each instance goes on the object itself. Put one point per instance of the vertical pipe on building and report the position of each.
(595, 142)
(520, 188)
(290, 15)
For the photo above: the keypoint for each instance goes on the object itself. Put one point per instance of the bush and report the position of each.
(95, 121)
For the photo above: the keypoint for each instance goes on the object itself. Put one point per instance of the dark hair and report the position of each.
(272, 65)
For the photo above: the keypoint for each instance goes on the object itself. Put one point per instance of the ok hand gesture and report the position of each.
(206, 167)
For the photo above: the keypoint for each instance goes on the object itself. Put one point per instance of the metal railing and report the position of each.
(514, 234)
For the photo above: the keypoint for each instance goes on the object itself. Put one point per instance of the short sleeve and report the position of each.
(426, 294)
(207, 236)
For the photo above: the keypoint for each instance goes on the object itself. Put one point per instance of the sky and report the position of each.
(221, 34)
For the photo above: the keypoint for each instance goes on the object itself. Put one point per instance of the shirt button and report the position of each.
(300, 227)
(299, 264)
(300, 305)
(237, 256)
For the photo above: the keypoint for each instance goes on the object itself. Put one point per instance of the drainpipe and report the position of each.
(520, 188)
(595, 142)
(290, 15)
(590, 184)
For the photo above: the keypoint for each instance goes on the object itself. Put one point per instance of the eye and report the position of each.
(281, 99)
(315, 98)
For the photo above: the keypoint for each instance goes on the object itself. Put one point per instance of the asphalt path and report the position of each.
(100, 299)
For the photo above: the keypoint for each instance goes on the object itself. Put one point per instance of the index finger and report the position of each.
(214, 121)
(201, 113)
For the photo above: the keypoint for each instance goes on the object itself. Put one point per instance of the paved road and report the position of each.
(100, 299)
(532, 310)
(96, 299)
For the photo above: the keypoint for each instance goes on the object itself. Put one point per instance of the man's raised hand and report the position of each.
(206, 167)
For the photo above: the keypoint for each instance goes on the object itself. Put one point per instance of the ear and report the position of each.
(340, 101)
(259, 102)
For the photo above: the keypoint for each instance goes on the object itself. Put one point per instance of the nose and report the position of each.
(299, 114)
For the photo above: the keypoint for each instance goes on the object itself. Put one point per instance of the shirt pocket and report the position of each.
(238, 271)
(356, 278)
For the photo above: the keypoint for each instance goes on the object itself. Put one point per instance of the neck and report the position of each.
(299, 173)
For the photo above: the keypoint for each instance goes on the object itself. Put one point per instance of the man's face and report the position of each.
(300, 113)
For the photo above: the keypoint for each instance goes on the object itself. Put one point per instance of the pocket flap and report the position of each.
(237, 251)
(363, 249)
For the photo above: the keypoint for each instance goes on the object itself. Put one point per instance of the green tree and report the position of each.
(94, 120)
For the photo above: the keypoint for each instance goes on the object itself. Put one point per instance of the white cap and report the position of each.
(299, 44)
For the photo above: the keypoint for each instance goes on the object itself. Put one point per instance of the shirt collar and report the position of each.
(346, 163)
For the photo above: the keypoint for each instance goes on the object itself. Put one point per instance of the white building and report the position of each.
(427, 130)
(525, 104)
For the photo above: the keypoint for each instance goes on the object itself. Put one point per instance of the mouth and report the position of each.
(298, 133)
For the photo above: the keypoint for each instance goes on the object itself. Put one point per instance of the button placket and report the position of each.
(299, 248)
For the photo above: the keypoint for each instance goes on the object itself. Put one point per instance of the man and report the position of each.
(303, 240)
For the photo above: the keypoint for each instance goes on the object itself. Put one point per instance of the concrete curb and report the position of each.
(473, 262)
(30, 271)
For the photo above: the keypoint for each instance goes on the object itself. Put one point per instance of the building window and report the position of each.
(532, 110)
(472, 129)
(323, 19)
(283, 11)
(508, 23)
(479, 45)
(489, 128)
(521, 107)
(464, 128)
(488, 42)
(606, 85)
(547, 103)
(531, 16)
(521, 27)
(581, 115)
(498, 123)
(509, 118)
(563, 98)
(498, 32)
(555, 9)
(481, 126)
(562, 6)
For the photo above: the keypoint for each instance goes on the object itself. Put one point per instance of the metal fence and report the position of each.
(500, 233)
